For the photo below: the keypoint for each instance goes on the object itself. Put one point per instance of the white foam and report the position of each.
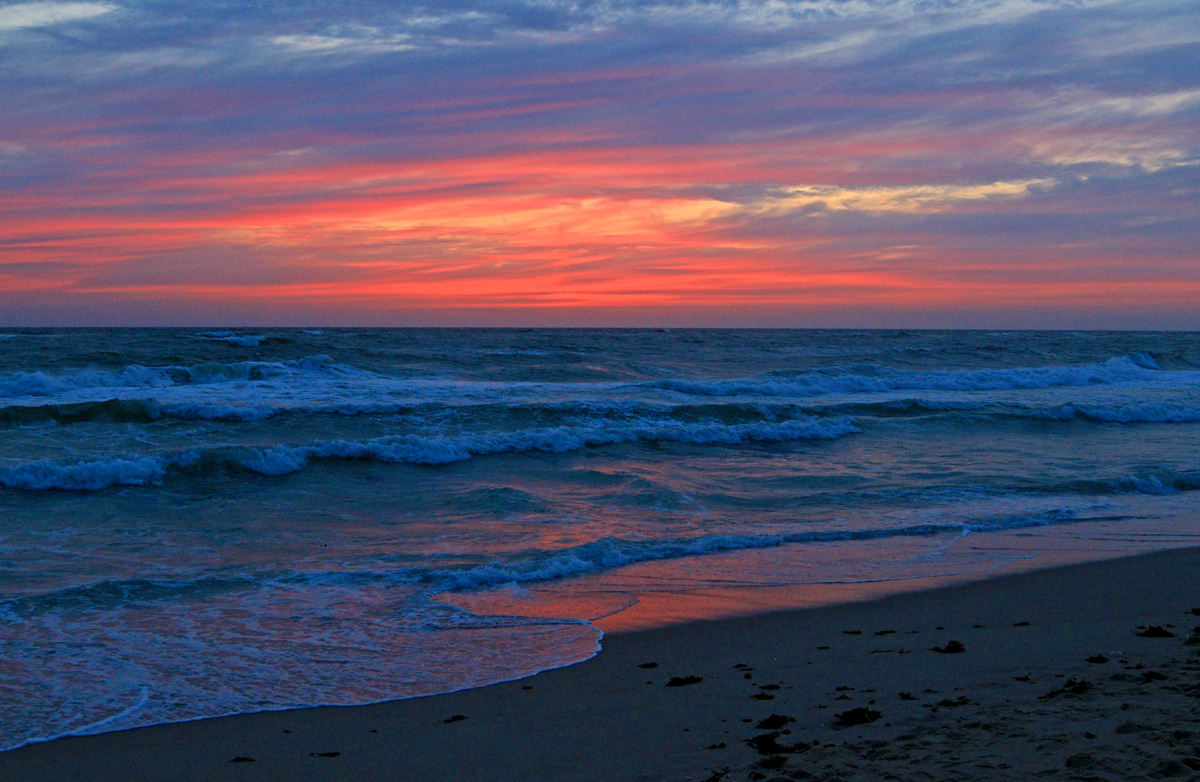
(418, 449)
(220, 412)
(84, 475)
(879, 379)
(40, 384)
(241, 340)
(411, 449)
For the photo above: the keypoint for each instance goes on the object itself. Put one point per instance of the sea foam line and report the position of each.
(874, 378)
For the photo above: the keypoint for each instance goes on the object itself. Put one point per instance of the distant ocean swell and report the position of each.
(855, 378)
(150, 409)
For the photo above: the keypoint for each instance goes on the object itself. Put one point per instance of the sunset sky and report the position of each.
(957, 163)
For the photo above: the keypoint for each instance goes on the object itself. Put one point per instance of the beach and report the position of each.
(759, 697)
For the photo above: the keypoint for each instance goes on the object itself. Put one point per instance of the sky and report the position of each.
(807, 163)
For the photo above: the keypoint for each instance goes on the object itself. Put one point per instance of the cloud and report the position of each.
(908, 199)
(363, 40)
(543, 149)
(1148, 154)
(26, 15)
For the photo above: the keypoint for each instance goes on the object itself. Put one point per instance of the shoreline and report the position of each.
(599, 719)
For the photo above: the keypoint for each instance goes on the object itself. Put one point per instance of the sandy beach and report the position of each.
(1077, 672)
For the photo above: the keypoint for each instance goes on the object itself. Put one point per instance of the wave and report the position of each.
(86, 475)
(112, 410)
(610, 553)
(241, 340)
(1167, 482)
(876, 378)
(121, 593)
(1119, 414)
(40, 384)
(410, 449)
(604, 554)
(136, 411)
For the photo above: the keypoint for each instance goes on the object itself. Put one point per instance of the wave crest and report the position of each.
(411, 449)
(876, 378)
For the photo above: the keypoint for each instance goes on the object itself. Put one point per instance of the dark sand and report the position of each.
(1009, 707)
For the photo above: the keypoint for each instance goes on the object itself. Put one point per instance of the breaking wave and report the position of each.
(411, 449)
(40, 384)
(875, 378)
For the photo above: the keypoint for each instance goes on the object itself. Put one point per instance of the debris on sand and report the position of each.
(857, 716)
(774, 722)
(953, 647)
(768, 744)
(682, 681)
(1072, 687)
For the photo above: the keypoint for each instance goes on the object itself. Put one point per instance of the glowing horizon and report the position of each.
(809, 163)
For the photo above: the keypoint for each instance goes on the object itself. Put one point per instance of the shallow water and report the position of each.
(203, 523)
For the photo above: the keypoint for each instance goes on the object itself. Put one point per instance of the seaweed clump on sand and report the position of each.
(857, 716)
(1072, 687)
(768, 744)
(774, 722)
(683, 681)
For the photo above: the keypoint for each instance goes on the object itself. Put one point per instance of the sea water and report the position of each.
(198, 523)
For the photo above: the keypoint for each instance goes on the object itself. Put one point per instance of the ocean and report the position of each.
(198, 523)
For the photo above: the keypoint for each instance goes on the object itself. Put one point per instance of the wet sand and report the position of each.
(758, 697)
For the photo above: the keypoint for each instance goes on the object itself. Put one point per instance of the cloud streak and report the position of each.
(21, 16)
